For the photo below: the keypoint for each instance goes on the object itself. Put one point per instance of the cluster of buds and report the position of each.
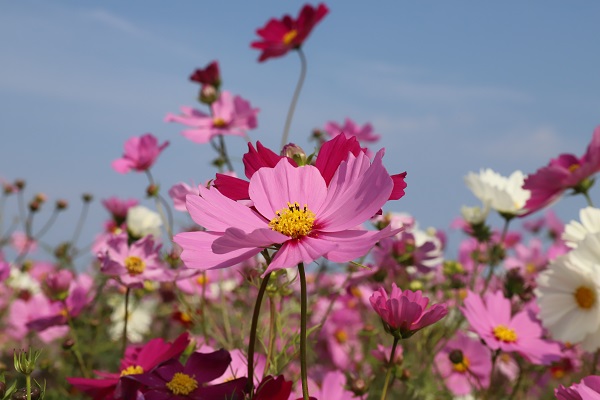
(210, 80)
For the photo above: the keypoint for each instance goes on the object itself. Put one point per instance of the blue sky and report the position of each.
(451, 86)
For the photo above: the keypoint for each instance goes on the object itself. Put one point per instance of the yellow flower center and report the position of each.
(185, 317)
(341, 336)
(530, 268)
(219, 123)
(574, 167)
(132, 370)
(202, 280)
(182, 384)
(293, 221)
(462, 366)
(585, 297)
(355, 292)
(134, 265)
(289, 37)
(558, 372)
(505, 334)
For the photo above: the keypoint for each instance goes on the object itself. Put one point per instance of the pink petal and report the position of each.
(294, 252)
(272, 188)
(235, 238)
(352, 244)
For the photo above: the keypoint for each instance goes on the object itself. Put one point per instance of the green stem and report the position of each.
(125, 319)
(28, 384)
(303, 306)
(253, 329)
(80, 221)
(588, 198)
(388, 374)
(594, 365)
(159, 207)
(272, 326)
(288, 120)
(223, 152)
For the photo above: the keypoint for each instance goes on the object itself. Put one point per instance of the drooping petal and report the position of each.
(352, 244)
(333, 152)
(206, 367)
(198, 254)
(295, 251)
(232, 187)
(235, 238)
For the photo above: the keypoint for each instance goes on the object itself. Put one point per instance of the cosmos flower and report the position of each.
(587, 389)
(567, 171)
(142, 221)
(502, 194)
(568, 294)
(491, 319)
(132, 264)
(209, 75)
(174, 381)
(576, 231)
(137, 360)
(405, 312)
(350, 128)
(294, 210)
(279, 36)
(464, 364)
(231, 115)
(140, 154)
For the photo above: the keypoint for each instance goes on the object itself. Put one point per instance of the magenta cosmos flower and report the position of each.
(567, 171)
(137, 360)
(350, 128)
(174, 381)
(132, 264)
(209, 75)
(231, 115)
(404, 313)
(331, 155)
(279, 36)
(464, 364)
(295, 211)
(491, 319)
(140, 154)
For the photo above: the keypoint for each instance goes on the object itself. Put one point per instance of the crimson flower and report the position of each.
(210, 75)
(279, 36)
(405, 313)
(137, 360)
(273, 388)
(174, 381)
(567, 171)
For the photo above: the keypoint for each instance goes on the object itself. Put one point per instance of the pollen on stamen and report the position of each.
(293, 221)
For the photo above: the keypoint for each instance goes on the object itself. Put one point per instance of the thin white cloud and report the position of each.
(526, 145)
(116, 22)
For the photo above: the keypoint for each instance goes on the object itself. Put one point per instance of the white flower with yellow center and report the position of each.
(139, 320)
(141, 221)
(576, 231)
(505, 195)
(568, 293)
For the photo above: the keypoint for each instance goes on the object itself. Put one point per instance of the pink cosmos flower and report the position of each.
(464, 364)
(22, 244)
(22, 312)
(491, 319)
(331, 155)
(350, 128)
(405, 313)
(132, 264)
(174, 381)
(294, 210)
(567, 171)
(279, 36)
(587, 389)
(140, 154)
(137, 360)
(118, 208)
(231, 115)
(178, 192)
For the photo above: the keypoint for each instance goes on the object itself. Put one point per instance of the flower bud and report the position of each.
(294, 152)
(20, 184)
(152, 190)
(61, 204)
(34, 206)
(68, 344)
(208, 94)
(57, 284)
(21, 394)
(87, 197)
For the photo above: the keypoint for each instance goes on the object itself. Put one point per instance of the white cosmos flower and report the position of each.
(505, 195)
(22, 280)
(576, 231)
(474, 215)
(568, 294)
(142, 221)
(140, 317)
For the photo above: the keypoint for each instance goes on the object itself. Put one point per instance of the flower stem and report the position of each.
(588, 198)
(288, 120)
(125, 319)
(303, 306)
(272, 328)
(223, 151)
(166, 221)
(390, 367)
(253, 328)
(28, 385)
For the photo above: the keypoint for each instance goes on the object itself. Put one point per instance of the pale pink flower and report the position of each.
(231, 115)
(178, 192)
(294, 208)
(405, 312)
(118, 207)
(133, 264)
(350, 128)
(491, 319)
(140, 154)
(587, 389)
(22, 244)
(22, 312)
